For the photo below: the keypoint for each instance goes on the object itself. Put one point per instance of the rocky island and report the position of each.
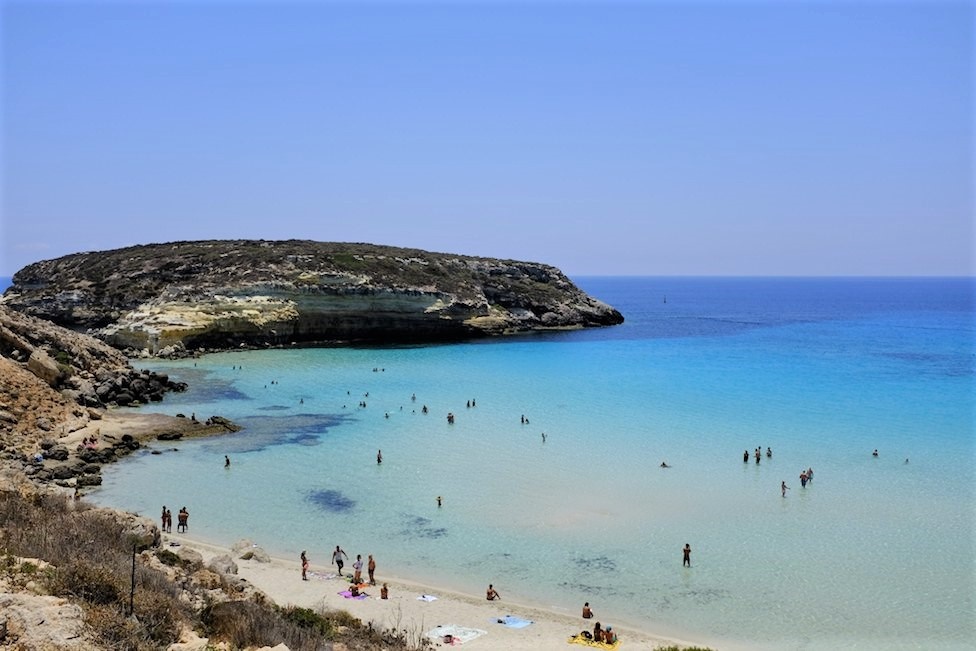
(221, 294)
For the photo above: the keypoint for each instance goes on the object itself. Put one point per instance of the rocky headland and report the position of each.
(167, 298)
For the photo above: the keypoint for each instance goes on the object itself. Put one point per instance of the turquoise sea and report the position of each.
(875, 553)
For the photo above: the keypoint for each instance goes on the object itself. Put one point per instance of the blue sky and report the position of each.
(606, 138)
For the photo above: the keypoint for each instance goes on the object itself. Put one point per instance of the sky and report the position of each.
(784, 137)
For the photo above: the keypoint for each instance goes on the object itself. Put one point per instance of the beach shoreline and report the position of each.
(280, 578)
(407, 610)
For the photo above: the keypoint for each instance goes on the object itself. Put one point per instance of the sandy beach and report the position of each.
(416, 608)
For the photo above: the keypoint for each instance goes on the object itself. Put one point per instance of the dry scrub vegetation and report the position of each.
(84, 555)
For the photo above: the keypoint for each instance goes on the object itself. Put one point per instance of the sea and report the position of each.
(551, 480)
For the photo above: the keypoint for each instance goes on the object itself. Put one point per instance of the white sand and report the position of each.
(281, 580)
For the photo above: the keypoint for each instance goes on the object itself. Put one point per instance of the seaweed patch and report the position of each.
(420, 527)
(331, 500)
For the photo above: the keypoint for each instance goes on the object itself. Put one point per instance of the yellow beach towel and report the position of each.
(579, 639)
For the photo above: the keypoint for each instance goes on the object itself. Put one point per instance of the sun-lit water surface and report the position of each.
(876, 553)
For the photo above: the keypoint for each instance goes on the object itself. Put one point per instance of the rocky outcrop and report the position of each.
(164, 298)
(84, 370)
(29, 621)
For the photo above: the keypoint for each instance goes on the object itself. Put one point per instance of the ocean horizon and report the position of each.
(877, 552)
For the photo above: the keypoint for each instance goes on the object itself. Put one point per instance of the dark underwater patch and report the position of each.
(331, 500)
(416, 526)
(601, 564)
(261, 432)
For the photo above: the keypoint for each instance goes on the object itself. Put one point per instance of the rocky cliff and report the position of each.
(222, 294)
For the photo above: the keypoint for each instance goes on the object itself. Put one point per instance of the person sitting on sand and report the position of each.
(354, 590)
(587, 613)
(609, 637)
(384, 592)
(597, 632)
(492, 593)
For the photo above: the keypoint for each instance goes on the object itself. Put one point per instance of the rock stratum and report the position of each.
(223, 294)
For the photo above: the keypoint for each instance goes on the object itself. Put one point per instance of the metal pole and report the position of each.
(132, 591)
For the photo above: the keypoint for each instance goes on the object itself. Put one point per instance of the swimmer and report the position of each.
(664, 464)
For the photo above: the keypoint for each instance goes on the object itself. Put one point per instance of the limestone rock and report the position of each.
(191, 558)
(43, 622)
(218, 294)
(222, 564)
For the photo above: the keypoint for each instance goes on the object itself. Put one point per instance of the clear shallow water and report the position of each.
(874, 554)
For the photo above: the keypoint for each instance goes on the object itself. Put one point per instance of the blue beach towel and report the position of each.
(512, 622)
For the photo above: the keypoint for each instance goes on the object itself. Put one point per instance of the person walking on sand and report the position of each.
(370, 568)
(686, 552)
(304, 566)
(337, 558)
(358, 567)
(783, 488)
(492, 594)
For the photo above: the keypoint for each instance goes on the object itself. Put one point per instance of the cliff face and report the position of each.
(221, 294)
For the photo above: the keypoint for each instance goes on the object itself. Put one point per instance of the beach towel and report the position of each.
(458, 634)
(427, 597)
(579, 639)
(512, 622)
(348, 595)
(319, 575)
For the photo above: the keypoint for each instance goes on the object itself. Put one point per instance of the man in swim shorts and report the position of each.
(337, 558)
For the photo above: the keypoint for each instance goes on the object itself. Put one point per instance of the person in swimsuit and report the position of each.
(337, 558)
(370, 568)
(686, 560)
(492, 594)
(384, 592)
(587, 613)
(358, 567)
(304, 566)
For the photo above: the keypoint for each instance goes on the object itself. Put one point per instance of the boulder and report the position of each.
(191, 558)
(41, 365)
(222, 564)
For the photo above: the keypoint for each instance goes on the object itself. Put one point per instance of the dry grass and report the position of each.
(86, 557)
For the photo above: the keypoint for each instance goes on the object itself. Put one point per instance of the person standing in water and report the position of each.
(783, 488)
(379, 456)
(686, 552)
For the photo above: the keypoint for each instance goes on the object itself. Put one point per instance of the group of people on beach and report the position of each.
(599, 634)
(183, 518)
(339, 558)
